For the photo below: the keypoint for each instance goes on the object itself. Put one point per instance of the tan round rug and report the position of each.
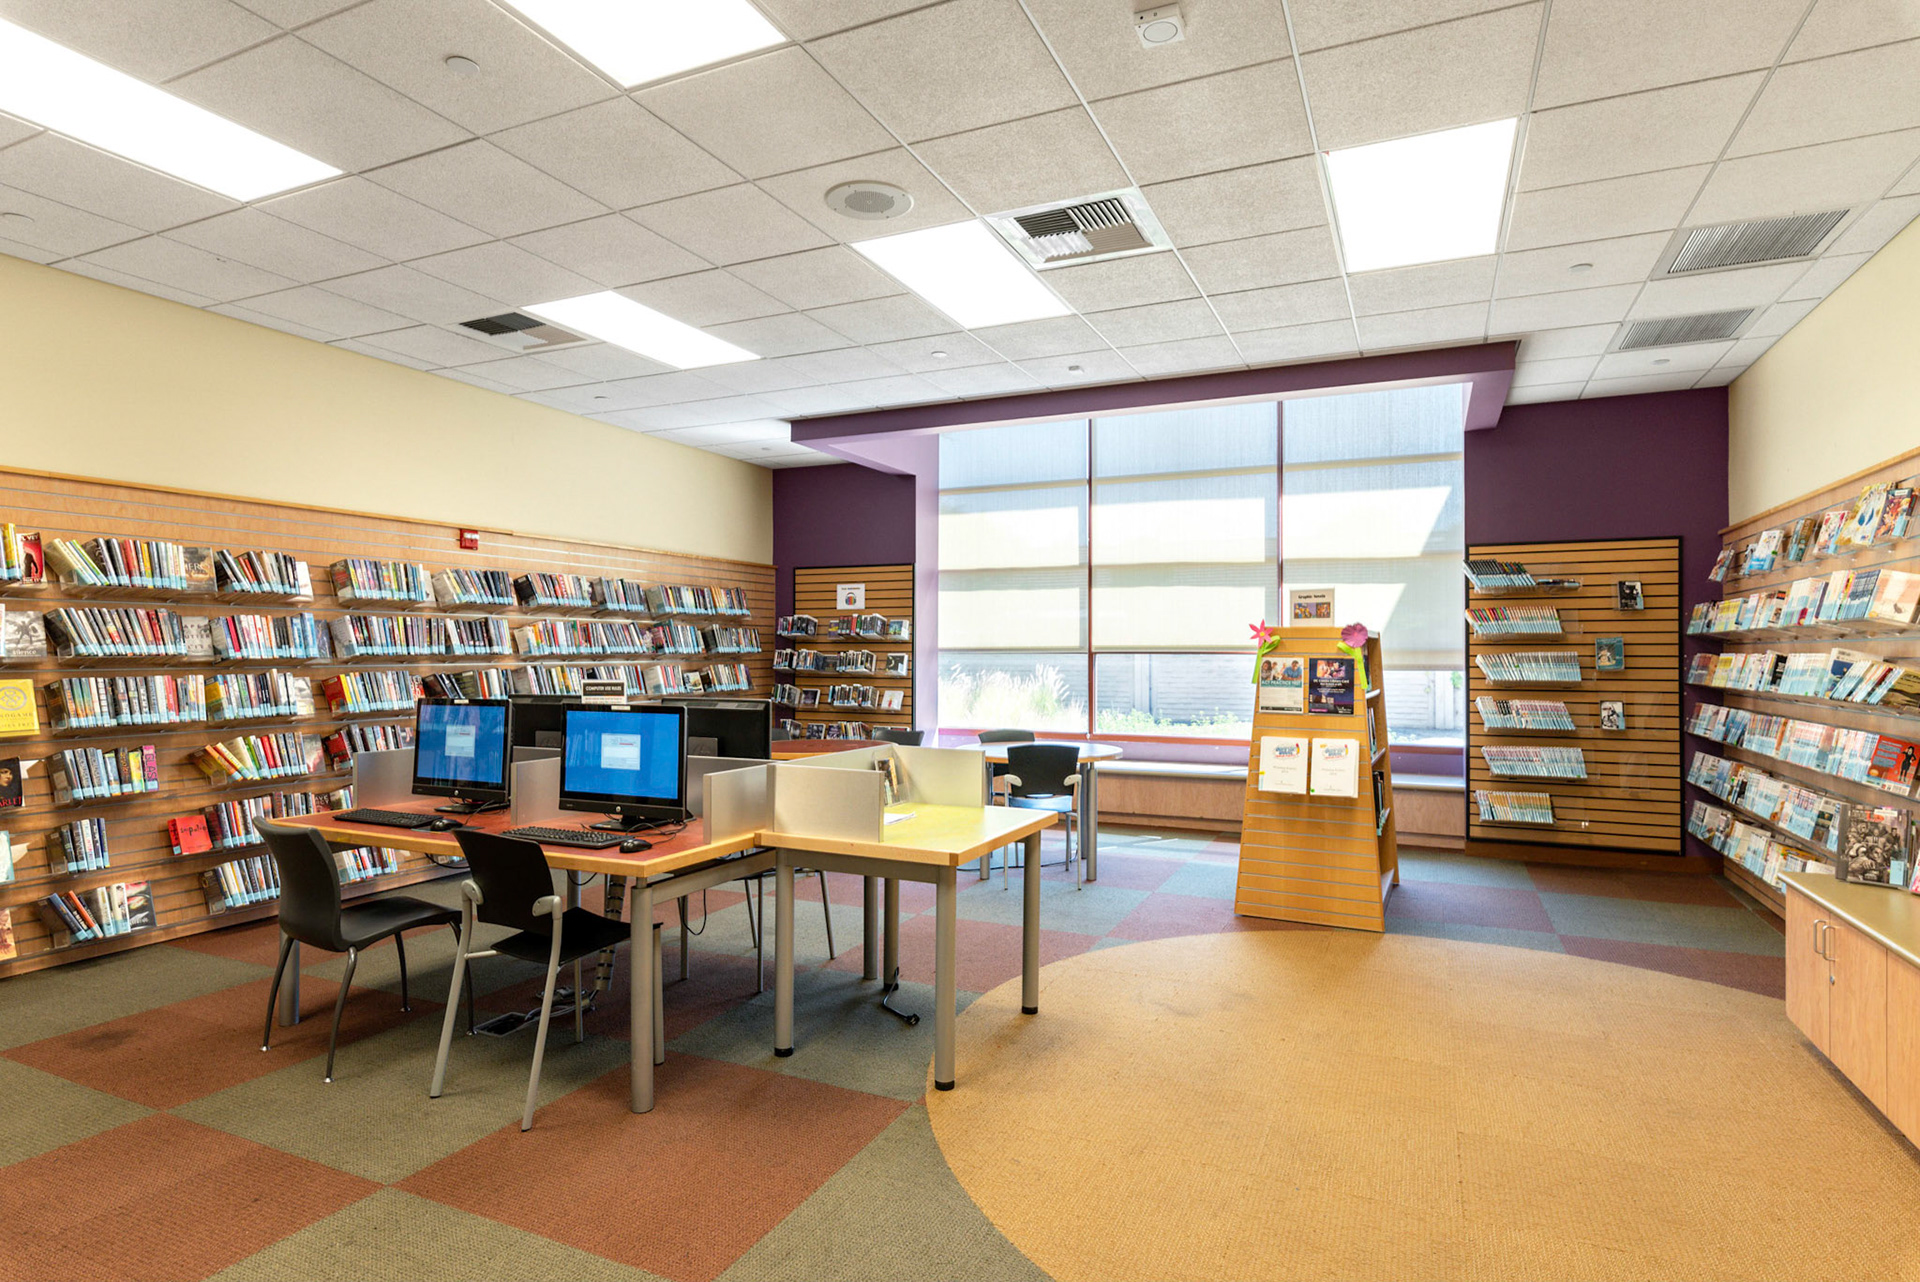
(1306, 1104)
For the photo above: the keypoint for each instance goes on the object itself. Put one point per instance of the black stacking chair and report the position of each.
(512, 886)
(311, 913)
(995, 773)
(1046, 776)
(893, 734)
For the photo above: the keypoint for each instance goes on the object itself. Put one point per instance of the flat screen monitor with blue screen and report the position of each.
(625, 761)
(460, 751)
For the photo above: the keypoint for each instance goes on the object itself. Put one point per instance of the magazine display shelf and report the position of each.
(889, 593)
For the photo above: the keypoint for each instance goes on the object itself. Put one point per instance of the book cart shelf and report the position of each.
(889, 592)
(184, 888)
(1614, 795)
(1331, 861)
(1758, 619)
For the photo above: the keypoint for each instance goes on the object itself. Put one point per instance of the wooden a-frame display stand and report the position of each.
(1331, 861)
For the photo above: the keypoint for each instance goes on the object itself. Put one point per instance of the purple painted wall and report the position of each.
(1621, 467)
(841, 514)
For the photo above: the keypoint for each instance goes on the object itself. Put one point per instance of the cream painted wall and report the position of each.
(100, 381)
(1837, 394)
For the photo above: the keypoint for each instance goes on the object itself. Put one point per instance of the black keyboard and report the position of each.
(585, 838)
(386, 818)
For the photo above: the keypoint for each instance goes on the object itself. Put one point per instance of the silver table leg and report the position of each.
(1089, 821)
(1030, 932)
(289, 1013)
(870, 955)
(891, 918)
(782, 954)
(640, 1011)
(945, 903)
(685, 971)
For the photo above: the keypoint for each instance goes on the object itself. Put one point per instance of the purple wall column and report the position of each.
(1621, 467)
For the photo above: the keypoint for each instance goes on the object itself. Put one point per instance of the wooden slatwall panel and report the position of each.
(1892, 644)
(1630, 799)
(64, 507)
(1319, 859)
(889, 592)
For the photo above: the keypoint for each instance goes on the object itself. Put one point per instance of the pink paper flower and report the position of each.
(1354, 634)
(1262, 632)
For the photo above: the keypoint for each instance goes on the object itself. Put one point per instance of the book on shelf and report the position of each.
(22, 559)
(1540, 665)
(13, 784)
(9, 948)
(1515, 620)
(103, 912)
(1877, 849)
(1523, 714)
(453, 587)
(366, 579)
(268, 573)
(118, 562)
(896, 663)
(1536, 763)
(80, 846)
(81, 775)
(1514, 807)
(23, 633)
(554, 591)
(7, 863)
(19, 714)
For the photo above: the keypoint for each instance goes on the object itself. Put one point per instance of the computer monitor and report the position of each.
(728, 727)
(460, 751)
(625, 761)
(539, 720)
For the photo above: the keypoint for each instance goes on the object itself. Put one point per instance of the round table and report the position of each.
(996, 754)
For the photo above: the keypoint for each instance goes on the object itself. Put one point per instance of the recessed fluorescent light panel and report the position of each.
(967, 272)
(69, 93)
(617, 319)
(636, 41)
(1423, 199)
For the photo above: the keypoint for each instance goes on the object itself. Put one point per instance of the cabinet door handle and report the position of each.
(1819, 945)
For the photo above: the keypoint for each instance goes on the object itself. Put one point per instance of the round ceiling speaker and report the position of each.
(869, 201)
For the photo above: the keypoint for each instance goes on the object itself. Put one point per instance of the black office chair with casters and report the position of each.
(1046, 776)
(995, 773)
(894, 734)
(512, 886)
(311, 913)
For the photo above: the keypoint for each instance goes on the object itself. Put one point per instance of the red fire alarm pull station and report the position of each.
(470, 540)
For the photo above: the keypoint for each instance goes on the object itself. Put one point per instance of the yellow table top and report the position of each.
(949, 835)
(1889, 915)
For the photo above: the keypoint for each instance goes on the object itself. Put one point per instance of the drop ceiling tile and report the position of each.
(152, 40)
(725, 111)
(258, 239)
(804, 191)
(126, 280)
(1284, 306)
(1635, 134)
(632, 393)
(1623, 260)
(1002, 379)
(806, 19)
(1406, 289)
(1598, 48)
(618, 153)
(818, 278)
(725, 409)
(1240, 203)
(298, 95)
(705, 298)
(1567, 369)
(56, 229)
(1558, 344)
(1832, 175)
(1321, 24)
(293, 13)
(611, 250)
(1122, 282)
(1226, 121)
(756, 377)
(589, 399)
(1600, 387)
(334, 315)
(483, 185)
(602, 361)
(1780, 318)
(1746, 351)
(1608, 303)
(1835, 26)
(730, 225)
(372, 218)
(434, 346)
(1876, 226)
(1423, 327)
(883, 320)
(194, 271)
(949, 68)
(57, 168)
(1030, 340)
(1824, 276)
(242, 312)
(909, 389)
(847, 365)
(936, 352)
(31, 253)
(1080, 368)
(787, 334)
(1655, 361)
(1719, 376)
(500, 270)
(1156, 323)
(1603, 210)
(801, 402)
(474, 378)
(640, 420)
(1908, 186)
(365, 348)
(530, 374)
(1283, 258)
(1453, 73)
(1192, 356)
(1545, 393)
(13, 130)
(1322, 340)
(417, 296)
(1845, 96)
(753, 432)
(405, 44)
(1099, 49)
(1035, 161)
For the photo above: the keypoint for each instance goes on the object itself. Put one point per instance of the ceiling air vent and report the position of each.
(1771, 240)
(520, 332)
(1113, 224)
(1669, 331)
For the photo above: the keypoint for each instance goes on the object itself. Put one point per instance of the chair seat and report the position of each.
(1060, 803)
(581, 933)
(361, 924)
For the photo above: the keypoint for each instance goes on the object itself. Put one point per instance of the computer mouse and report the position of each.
(633, 844)
(444, 825)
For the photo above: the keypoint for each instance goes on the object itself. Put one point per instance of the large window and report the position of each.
(1099, 576)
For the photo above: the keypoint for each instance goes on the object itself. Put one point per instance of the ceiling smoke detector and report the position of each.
(1160, 25)
(520, 332)
(869, 201)
(1114, 224)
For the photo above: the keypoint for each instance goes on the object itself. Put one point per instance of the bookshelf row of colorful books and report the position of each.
(228, 825)
(1879, 515)
(1801, 812)
(1514, 807)
(79, 846)
(893, 663)
(1859, 756)
(1558, 667)
(242, 883)
(1515, 620)
(1833, 676)
(99, 703)
(100, 913)
(254, 758)
(1535, 763)
(1875, 598)
(1758, 849)
(1488, 574)
(1537, 715)
(793, 729)
(370, 737)
(80, 776)
(844, 627)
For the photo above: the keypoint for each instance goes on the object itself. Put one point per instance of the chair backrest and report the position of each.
(309, 883)
(894, 734)
(1006, 736)
(1042, 769)
(512, 874)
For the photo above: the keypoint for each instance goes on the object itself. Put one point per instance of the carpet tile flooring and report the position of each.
(145, 1134)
